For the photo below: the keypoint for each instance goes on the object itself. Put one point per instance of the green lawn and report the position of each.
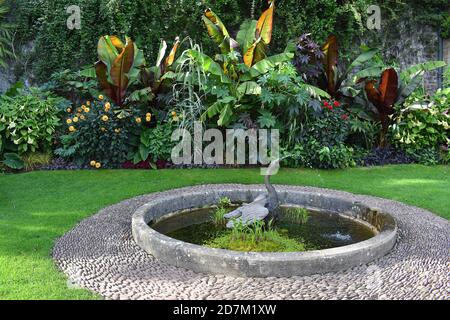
(38, 207)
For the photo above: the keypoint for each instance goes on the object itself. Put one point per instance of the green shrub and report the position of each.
(99, 134)
(422, 126)
(155, 143)
(322, 142)
(148, 21)
(28, 121)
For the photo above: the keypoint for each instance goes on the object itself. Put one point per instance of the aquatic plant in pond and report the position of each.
(320, 231)
(296, 215)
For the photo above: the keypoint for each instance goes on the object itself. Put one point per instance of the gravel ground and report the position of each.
(100, 254)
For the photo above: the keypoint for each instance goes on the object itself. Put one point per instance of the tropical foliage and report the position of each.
(332, 103)
(5, 34)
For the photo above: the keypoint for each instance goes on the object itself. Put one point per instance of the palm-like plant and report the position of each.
(5, 36)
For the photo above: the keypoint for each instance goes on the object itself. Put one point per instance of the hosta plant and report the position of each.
(28, 121)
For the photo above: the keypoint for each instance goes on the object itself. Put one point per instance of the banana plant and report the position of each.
(153, 77)
(240, 62)
(118, 66)
(392, 89)
(333, 79)
(252, 39)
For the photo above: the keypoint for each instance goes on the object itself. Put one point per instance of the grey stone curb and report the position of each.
(251, 264)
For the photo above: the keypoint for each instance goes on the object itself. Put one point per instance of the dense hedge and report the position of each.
(147, 21)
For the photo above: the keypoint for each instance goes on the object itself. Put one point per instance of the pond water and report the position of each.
(322, 230)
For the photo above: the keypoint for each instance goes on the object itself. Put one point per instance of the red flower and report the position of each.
(326, 104)
(344, 117)
(337, 104)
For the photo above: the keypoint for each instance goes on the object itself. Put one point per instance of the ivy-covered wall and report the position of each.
(41, 25)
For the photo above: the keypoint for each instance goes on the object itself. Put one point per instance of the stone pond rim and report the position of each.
(254, 264)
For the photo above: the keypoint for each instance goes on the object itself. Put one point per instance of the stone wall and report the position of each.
(447, 51)
(410, 43)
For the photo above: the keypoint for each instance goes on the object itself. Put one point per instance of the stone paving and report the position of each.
(100, 254)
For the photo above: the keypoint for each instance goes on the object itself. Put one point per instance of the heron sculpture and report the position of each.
(265, 207)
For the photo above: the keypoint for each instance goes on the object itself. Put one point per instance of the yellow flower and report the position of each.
(87, 110)
(108, 105)
(82, 117)
(98, 165)
(75, 119)
(88, 103)
(117, 130)
(93, 163)
(138, 120)
(69, 110)
(101, 97)
(79, 110)
(69, 121)
(105, 118)
(103, 129)
(78, 115)
(83, 107)
(72, 129)
(148, 115)
(148, 119)
(174, 114)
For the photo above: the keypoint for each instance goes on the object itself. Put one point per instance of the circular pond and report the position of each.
(320, 230)
(338, 234)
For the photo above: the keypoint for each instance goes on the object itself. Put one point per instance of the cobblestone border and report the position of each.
(253, 264)
(100, 254)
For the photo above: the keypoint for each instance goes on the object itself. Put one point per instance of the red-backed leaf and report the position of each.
(101, 71)
(373, 94)
(330, 61)
(121, 67)
(389, 89)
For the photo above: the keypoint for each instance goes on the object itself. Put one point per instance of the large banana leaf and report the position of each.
(171, 57)
(249, 88)
(265, 24)
(218, 32)
(107, 50)
(420, 68)
(101, 71)
(262, 38)
(161, 53)
(384, 98)
(118, 66)
(389, 89)
(386, 95)
(246, 35)
(330, 61)
(120, 69)
(255, 53)
(267, 64)
(208, 65)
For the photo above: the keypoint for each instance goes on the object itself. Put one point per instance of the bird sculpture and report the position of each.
(265, 207)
